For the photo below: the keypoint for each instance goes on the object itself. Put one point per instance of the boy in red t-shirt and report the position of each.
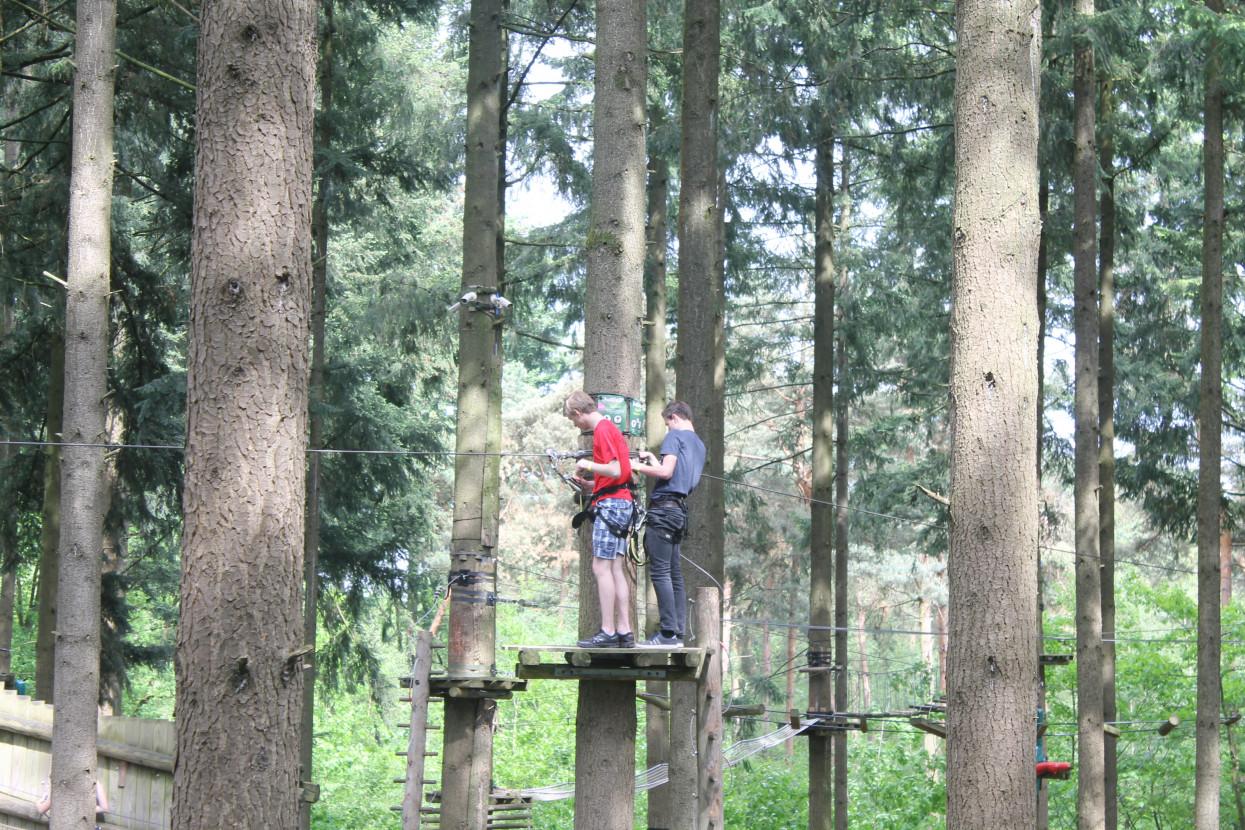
(611, 470)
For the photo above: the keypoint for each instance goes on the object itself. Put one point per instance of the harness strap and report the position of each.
(622, 531)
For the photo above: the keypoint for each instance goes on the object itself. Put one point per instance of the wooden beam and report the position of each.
(108, 749)
(10, 806)
(938, 728)
(421, 689)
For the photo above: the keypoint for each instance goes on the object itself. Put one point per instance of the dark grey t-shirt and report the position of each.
(687, 447)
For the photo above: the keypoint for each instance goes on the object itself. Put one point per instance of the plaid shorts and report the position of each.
(605, 545)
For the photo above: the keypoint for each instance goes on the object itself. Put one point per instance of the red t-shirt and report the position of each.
(608, 444)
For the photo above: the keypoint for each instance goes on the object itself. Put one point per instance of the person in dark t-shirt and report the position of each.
(677, 474)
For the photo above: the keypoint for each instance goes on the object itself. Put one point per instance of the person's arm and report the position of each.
(648, 465)
(101, 798)
(612, 469)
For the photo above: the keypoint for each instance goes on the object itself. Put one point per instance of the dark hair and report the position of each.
(677, 408)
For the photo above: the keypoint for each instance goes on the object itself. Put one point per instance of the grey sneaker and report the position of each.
(600, 640)
(658, 641)
(626, 640)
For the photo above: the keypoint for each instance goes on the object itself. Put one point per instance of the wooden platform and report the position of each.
(472, 686)
(575, 663)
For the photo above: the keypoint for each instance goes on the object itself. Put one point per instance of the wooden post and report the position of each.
(710, 810)
(414, 795)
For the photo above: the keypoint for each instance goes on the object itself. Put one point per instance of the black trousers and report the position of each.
(666, 523)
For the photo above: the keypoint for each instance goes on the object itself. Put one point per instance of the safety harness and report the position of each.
(628, 530)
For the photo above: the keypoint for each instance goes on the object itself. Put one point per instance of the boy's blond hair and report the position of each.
(579, 401)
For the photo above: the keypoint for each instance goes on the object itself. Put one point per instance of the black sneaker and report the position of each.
(658, 641)
(626, 640)
(600, 640)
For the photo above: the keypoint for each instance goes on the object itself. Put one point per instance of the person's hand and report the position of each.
(583, 464)
(646, 457)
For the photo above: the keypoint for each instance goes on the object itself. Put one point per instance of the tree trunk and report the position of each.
(76, 696)
(613, 308)
(1225, 569)
(1106, 451)
(49, 567)
(315, 436)
(655, 296)
(657, 721)
(700, 349)
(992, 660)
(467, 754)
(700, 359)
(821, 534)
(1209, 493)
(789, 666)
(841, 517)
(311, 541)
(1091, 808)
(840, 574)
(8, 523)
(710, 807)
(112, 679)
(1043, 799)
(240, 631)
(862, 646)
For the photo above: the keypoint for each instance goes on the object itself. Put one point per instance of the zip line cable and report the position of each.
(735, 483)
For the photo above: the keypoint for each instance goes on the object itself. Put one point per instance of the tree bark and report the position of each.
(613, 309)
(1209, 494)
(657, 720)
(710, 806)
(700, 359)
(1106, 450)
(841, 526)
(821, 534)
(655, 295)
(240, 632)
(467, 754)
(76, 696)
(8, 521)
(1043, 799)
(1091, 807)
(50, 526)
(992, 660)
(315, 436)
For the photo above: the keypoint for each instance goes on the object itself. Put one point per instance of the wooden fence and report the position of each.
(135, 766)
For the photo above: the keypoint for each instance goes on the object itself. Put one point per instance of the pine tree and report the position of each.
(1090, 780)
(86, 369)
(613, 308)
(992, 664)
(239, 635)
(1210, 487)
